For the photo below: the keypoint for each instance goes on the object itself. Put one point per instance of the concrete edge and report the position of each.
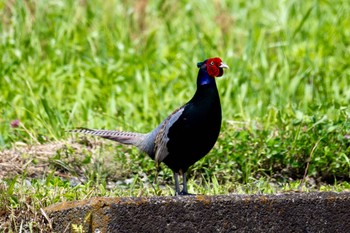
(299, 211)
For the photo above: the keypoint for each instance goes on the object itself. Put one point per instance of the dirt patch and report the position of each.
(32, 159)
(36, 160)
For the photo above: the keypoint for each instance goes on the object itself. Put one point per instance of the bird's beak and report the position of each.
(223, 65)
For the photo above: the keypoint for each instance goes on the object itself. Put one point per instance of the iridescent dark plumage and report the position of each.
(185, 136)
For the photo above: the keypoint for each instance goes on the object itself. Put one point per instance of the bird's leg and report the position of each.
(177, 186)
(184, 190)
(157, 173)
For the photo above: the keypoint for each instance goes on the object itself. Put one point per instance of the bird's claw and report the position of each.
(183, 193)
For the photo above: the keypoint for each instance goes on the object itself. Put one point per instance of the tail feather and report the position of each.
(128, 138)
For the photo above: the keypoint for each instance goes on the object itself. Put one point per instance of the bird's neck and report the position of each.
(206, 89)
(205, 79)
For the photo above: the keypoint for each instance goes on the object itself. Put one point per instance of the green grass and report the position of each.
(127, 65)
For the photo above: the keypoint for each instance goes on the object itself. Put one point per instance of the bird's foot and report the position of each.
(183, 193)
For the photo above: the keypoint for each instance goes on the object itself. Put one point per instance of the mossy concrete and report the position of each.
(292, 212)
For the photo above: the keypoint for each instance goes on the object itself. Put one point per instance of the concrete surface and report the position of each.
(293, 212)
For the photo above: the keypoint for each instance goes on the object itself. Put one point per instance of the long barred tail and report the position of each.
(129, 138)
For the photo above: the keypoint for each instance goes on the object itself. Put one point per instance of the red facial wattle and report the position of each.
(213, 67)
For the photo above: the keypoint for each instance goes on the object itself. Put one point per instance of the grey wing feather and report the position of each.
(161, 150)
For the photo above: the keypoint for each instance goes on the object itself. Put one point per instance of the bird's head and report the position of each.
(213, 66)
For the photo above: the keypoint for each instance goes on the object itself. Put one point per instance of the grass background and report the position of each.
(127, 64)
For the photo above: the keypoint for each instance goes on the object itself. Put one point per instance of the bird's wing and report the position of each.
(129, 138)
(161, 150)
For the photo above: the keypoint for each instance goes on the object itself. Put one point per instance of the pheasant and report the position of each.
(187, 134)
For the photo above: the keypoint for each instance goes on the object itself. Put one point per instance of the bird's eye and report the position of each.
(211, 63)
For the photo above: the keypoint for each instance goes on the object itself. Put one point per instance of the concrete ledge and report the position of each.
(293, 212)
